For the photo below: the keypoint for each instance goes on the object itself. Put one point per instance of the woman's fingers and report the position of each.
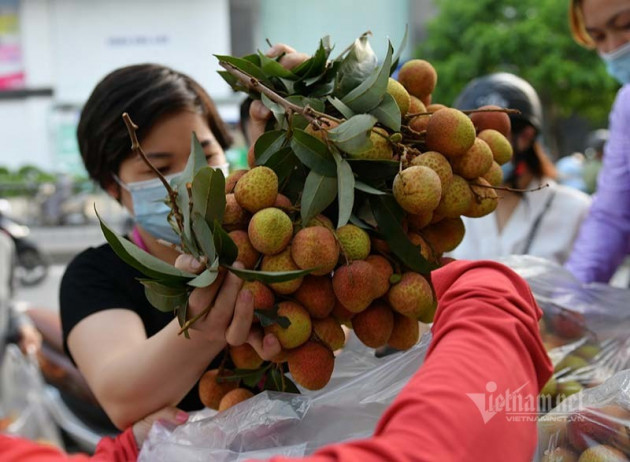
(203, 297)
(279, 48)
(189, 263)
(266, 345)
(289, 57)
(223, 310)
(238, 330)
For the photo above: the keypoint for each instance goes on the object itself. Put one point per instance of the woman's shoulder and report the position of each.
(101, 259)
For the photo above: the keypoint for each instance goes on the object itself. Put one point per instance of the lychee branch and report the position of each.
(507, 188)
(132, 128)
(252, 83)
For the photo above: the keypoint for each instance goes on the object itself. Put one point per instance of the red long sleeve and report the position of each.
(120, 449)
(485, 336)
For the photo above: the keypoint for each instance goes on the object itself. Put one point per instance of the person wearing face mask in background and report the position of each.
(130, 353)
(604, 238)
(543, 223)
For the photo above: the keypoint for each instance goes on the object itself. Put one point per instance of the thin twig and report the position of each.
(507, 188)
(188, 324)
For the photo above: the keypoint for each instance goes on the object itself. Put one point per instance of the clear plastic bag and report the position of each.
(584, 327)
(272, 423)
(22, 399)
(595, 422)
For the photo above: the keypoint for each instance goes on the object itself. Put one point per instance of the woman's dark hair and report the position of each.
(147, 92)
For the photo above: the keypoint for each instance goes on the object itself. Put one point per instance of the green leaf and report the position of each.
(401, 47)
(353, 135)
(283, 163)
(268, 277)
(312, 153)
(356, 66)
(389, 216)
(374, 170)
(144, 262)
(303, 101)
(277, 381)
(273, 68)
(316, 65)
(268, 144)
(388, 113)
(369, 94)
(366, 188)
(342, 108)
(278, 111)
(356, 221)
(244, 65)
(224, 245)
(271, 316)
(203, 236)
(243, 374)
(204, 279)
(208, 191)
(345, 189)
(319, 192)
(252, 380)
(163, 297)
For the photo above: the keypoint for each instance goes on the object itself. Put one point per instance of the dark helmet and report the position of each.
(504, 90)
(597, 139)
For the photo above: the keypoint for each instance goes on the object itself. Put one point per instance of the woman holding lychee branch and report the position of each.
(130, 353)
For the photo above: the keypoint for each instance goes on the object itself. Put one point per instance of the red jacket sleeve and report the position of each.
(475, 396)
(120, 449)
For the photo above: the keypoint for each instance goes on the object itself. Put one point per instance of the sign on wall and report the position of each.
(11, 70)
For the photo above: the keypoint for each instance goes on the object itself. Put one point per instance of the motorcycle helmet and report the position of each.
(505, 90)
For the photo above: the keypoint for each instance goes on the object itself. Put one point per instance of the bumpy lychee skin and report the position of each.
(446, 234)
(419, 123)
(405, 334)
(415, 105)
(438, 163)
(477, 160)
(300, 329)
(412, 296)
(257, 189)
(418, 221)
(316, 295)
(399, 94)
(485, 199)
(232, 179)
(280, 263)
(245, 357)
(270, 231)
(417, 189)
(498, 121)
(315, 247)
(354, 285)
(450, 132)
(355, 243)
(322, 133)
(494, 175)
(340, 313)
(381, 148)
(235, 216)
(329, 332)
(264, 298)
(247, 254)
(321, 220)
(433, 108)
(232, 398)
(456, 198)
(311, 365)
(418, 77)
(382, 272)
(374, 325)
(499, 145)
(283, 202)
(211, 391)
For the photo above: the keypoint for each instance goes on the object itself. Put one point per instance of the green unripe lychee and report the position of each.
(257, 189)
(355, 243)
(450, 132)
(417, 189)
(270, 231)
(399, 94)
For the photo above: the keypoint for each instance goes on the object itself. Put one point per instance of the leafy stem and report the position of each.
(252, 83)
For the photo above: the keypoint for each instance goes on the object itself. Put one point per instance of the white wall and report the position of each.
(69, 45)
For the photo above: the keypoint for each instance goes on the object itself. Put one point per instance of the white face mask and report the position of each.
(149, 204)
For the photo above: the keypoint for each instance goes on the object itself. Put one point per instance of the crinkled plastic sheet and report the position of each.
(286, 424)
(22, 398)
(595, 417)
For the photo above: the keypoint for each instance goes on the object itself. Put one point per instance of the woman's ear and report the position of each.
(113, 190)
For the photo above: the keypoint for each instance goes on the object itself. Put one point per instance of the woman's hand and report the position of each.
(170, 414)
(231, 316)
(259, 114)
(30, 340)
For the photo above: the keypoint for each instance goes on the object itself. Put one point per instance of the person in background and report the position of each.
(543, 223)
(594, 153)
(571, 171)
(603, 240)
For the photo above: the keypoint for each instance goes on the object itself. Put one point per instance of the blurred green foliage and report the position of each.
(530, 38)
(27, 179)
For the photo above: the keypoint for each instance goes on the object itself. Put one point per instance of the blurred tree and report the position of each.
(530, 38)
